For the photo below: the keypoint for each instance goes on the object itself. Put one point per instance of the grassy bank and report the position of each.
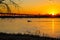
(5, 36)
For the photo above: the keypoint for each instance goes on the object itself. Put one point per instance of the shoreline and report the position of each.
(26, 17)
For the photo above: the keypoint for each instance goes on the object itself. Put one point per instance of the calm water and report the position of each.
(38, 26)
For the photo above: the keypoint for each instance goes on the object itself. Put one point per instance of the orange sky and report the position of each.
(42, 6)
(36, 7)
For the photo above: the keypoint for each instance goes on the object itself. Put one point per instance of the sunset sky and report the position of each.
(37, 7)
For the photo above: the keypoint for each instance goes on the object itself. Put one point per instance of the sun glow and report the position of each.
(53, 12)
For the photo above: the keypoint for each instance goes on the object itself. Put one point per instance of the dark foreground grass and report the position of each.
(5, 36)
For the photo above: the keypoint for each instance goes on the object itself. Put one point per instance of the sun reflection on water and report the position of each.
(53, 26)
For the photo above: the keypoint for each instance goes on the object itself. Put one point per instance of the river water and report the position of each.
(37, 26)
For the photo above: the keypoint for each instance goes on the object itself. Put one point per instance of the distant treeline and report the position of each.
(29, 17)
(15, 15)
(5, 36)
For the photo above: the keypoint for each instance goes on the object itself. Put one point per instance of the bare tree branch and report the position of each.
(8, 9)
(16, 5)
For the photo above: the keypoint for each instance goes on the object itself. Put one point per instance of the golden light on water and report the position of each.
(53, 26)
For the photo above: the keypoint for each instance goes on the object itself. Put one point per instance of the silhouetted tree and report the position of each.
(1, 2)
(6, 4)
(14, 3)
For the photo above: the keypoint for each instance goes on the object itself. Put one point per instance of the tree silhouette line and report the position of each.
(6, 4)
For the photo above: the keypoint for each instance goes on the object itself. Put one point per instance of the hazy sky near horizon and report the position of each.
(41, 6)
(37, 6)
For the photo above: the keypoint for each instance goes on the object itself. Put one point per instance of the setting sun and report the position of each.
(53, 12)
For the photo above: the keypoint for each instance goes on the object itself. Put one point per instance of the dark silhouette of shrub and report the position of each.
(6, 36)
